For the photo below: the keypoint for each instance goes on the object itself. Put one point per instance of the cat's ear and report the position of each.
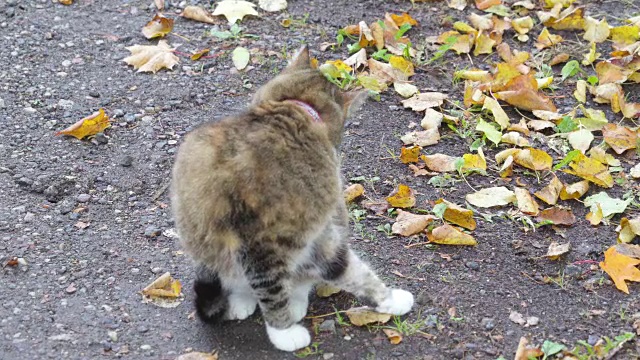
(353, 100)
(300, 60)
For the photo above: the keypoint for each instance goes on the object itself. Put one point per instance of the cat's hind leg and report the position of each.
(211, 298)
(241, 301)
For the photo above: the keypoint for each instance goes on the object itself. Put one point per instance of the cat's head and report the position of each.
(299, 81)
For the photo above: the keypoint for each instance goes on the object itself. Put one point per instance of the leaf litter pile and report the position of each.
(543, 161)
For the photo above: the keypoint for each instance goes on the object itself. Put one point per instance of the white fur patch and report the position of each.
(399, 302)
(290, 339)
(299, 301)
(241, 306)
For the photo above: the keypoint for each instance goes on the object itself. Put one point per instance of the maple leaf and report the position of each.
(198, 14)
(87, 126)
(408, 224)
(235, 10)
(151, 58)
(620, 268)
(402, 197)
(449, 235)
(159, 26)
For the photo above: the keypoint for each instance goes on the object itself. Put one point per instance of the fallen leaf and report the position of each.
(352, 192)
(410, 154)
(65, 2)
(499, 115)
(235, 10)
(592, 170)
(575, 190)
(556, 250)
(489, 197)
(357, 60)
(403, 19)
(408, 224)
(551, 192)
(458, 215)
(620, 138)
(449, 235)
(423, 101)
(326, 290)
(595, 217)
(151, 58)
(485, 4)
(164, 286)
(635, 171)
(581, 91)
(625, 35)
(361, 316)
(474, 162)
(198, 356)
(599, 154)
(87, 126)
(580, 139)
(457, 4)
(628, 229)
(590, 56)
(198, 14)
(159, 4)
(546, 39)
(402, 197)
(198, 54)
(607, 204)
(515, 138)
(558, 215)
(394, 336)
(240, 57)
(596, 31)
(432, 119)
(494, 135)
(534, 159)
(159, 26)
(440, 162)
(272, 5)
(524, 352)
(620, 268)
(569, 19)
(405, 89)
(559, 59)
(539, 125)
(523, 93)
(421, 138)
(525, 202)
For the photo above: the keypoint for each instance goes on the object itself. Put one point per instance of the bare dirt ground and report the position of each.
(78, 297)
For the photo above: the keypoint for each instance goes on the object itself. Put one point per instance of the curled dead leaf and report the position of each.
(198, 14)
(352, 192)
(159, 26)
(408, 224)
(394, 336)
(402, 197)
(88, 126)
(449, 235)
(361, 316)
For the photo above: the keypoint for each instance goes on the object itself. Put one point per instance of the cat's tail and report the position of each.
(211, 298)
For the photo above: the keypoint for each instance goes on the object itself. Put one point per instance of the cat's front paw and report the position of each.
(240, 306)
(399, 302)
(298, 308)
(289, 339)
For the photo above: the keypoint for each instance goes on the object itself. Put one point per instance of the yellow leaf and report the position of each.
(198, 14)
(197, 55)
(534, 159)
(484, 44)
(463, 43)
(440, 162)
(164, 286)
(403, 18)
(592, 170)
(620, 138)
(591, 56)
(371, 83)
(546, 39)
(364, 316)
(235, 10)
(522, 25)
(522, 92)
(599, 154)
(490, 197)
(464, 27)
(352, 192)
(628, 229)
(595, 218)
(596, 31)
(625, 35)
(544, 83)
(65, 2)
(550, 193)
(505, 72)
(575, 190)
(620, 268)
(485, 4)
(402, 64)
(458, 215)
(506, 169)
(151, 58)
(526, 203)
(569, 19)
(88, 126)
(581, 91)
(559, 59)
(198, 356)
(402, 197)
(326, 290)
(408, 224)
(449, 235)
(159, 26)
(475, 75)
(499, 115)
(340, 65)
(474, 162)
(393, 335)
(410, 154)
(610, 73)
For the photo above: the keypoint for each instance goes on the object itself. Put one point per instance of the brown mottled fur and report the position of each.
(258, 203)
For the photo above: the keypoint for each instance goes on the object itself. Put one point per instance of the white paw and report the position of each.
(241, 306)
(399, 302)
(290, 339)
(298, 308)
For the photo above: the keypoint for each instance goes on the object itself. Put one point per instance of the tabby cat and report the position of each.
(258, 204)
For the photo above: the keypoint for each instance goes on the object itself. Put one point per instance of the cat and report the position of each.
(257, 200)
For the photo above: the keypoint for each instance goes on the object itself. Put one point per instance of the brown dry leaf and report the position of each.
(449, 235)
(522, 92)
(490, 197)
(385, 73)
(408, 224)
(410, 154)
(559, 59)
(151, 58)
(546, 39)
(424, 101)
(628, 229)
(524, 352)
(394, 336)
(198, 54)
(432, 119)
(402, 19)
(361, 316)
(551, 192)
(440, 162)
(592, 170)
(620, 138)
(534, 159)
(352, 192)
(620, 268)
(575, 190)
(556, 250)
(608, 72)
(198, 356)
(235, 10)
(526, 203)
(402, 197)
(458, 215)
(198, 14)
(88, 126)
(558, 215)
(485, 4)
(159, 26)
(164, 286)
(325, 290)
(65, 2)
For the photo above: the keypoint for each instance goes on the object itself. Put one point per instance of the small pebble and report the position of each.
(152, 231)
(126, 161)
(71, 288)
(488, 323)
(83, 198)
(145, 347)
(472, 265)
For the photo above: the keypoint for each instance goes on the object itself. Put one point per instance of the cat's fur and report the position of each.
(258, 204)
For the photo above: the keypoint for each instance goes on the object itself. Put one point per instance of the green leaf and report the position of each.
(353, 48)
(493, 134)
(593, 80)
(499, 10)
(567, 125)
(403, 29)
(442, 49)
(240, 57)
(570, 69)
(221, 34)
(608, 204)
(381, 55)
(235, 29)
(567, 159)
(439, 210)
(478, 143)
(550, 348)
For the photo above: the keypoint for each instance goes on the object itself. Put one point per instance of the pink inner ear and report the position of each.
(300, 58)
